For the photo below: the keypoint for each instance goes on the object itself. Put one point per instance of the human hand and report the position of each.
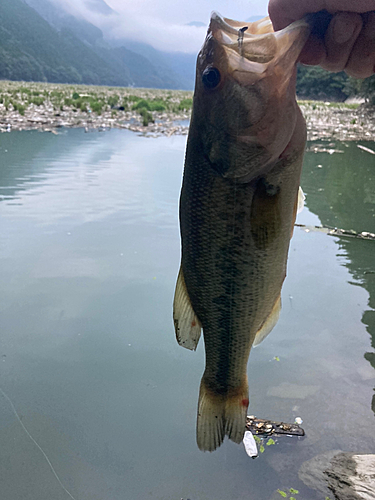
(349, 41)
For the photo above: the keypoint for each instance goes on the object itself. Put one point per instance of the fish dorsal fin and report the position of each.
(268, 324)
(186, 323)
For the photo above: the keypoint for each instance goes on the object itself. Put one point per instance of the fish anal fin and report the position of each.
(220, 416)
(268, 324)
(186, 323)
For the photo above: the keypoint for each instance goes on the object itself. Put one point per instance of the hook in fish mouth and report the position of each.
(241, 32)
(256, 42)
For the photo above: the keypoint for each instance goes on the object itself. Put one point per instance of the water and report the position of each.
(89, 253)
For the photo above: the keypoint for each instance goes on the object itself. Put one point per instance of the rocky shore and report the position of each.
(48, 107)
(48, 120)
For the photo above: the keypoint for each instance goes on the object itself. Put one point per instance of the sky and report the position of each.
(163, 23)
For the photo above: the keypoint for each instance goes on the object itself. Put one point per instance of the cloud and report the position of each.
(160, 23)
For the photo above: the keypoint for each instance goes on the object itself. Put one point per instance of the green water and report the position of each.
(89, 252)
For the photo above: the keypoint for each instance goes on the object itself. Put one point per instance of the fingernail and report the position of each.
(343, 28)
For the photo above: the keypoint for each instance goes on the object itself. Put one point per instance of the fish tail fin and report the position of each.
(220, 416)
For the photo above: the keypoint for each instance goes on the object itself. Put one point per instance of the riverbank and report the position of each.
(152, 112)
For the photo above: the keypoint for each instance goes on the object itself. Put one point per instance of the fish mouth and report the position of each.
(251, 48)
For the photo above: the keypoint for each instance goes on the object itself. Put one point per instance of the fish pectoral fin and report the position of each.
(186, 323)
(268, 324)
(301, 200)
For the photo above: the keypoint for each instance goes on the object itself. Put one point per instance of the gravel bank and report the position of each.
(18, 111)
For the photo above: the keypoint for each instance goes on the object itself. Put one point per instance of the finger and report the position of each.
(340, 38)
(314, 51)
(284, 12)
(361, 63)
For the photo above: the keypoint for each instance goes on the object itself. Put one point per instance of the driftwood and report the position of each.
(261, 427)
(334, 231)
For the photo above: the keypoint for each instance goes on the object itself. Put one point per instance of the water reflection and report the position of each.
(89, 253)
(340, 191)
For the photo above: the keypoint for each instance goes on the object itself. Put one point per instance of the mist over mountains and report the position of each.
(40, 41)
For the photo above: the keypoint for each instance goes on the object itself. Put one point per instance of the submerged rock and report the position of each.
(348, 476)
(352, 477)
(311, 472)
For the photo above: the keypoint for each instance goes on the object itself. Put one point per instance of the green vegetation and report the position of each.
(112, 102)
(259, 441)
(63, 56)
(38, 101)
(364, 88)
(284, 494)
(151, 105)
(315, 83)
(146, 116)
(97, 107)
(186, 104)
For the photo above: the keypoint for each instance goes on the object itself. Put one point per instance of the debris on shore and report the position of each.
(48, 107)
(151, 112)
(339, 121)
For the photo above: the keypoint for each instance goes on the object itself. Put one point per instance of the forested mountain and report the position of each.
(40, 41)
(61, 48)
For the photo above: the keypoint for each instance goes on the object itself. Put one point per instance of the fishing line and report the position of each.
(35, 443)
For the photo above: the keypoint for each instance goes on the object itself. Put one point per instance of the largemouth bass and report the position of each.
(237, 208)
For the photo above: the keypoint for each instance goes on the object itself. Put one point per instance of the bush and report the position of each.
(75, 95)
(97, 107)
(19, 108)
(185, 104)
(317, 83)
(24, 90)
(133, 98)
(142, 104)
(113, 100)
(157, 105)
(38, 101)
(147, 117)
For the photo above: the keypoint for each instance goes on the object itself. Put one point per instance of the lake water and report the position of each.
(89, 253)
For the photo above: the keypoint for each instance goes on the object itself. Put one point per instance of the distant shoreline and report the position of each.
(151, 112)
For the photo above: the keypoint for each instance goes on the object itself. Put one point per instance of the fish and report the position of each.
(238, 204)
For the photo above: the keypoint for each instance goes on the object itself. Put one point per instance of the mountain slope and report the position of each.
(59, 19)
(31, 49)
(68, 50)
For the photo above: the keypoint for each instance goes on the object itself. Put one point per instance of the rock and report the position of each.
(348, 476)
(352, 477)
(311, 472)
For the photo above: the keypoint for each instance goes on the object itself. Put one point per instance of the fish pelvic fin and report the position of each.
(268, 325)
(186, 323)
(220, 416)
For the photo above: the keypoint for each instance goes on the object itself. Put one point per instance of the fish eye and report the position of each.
(211, 77)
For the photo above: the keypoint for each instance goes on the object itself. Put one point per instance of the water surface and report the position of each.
(89, 254)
